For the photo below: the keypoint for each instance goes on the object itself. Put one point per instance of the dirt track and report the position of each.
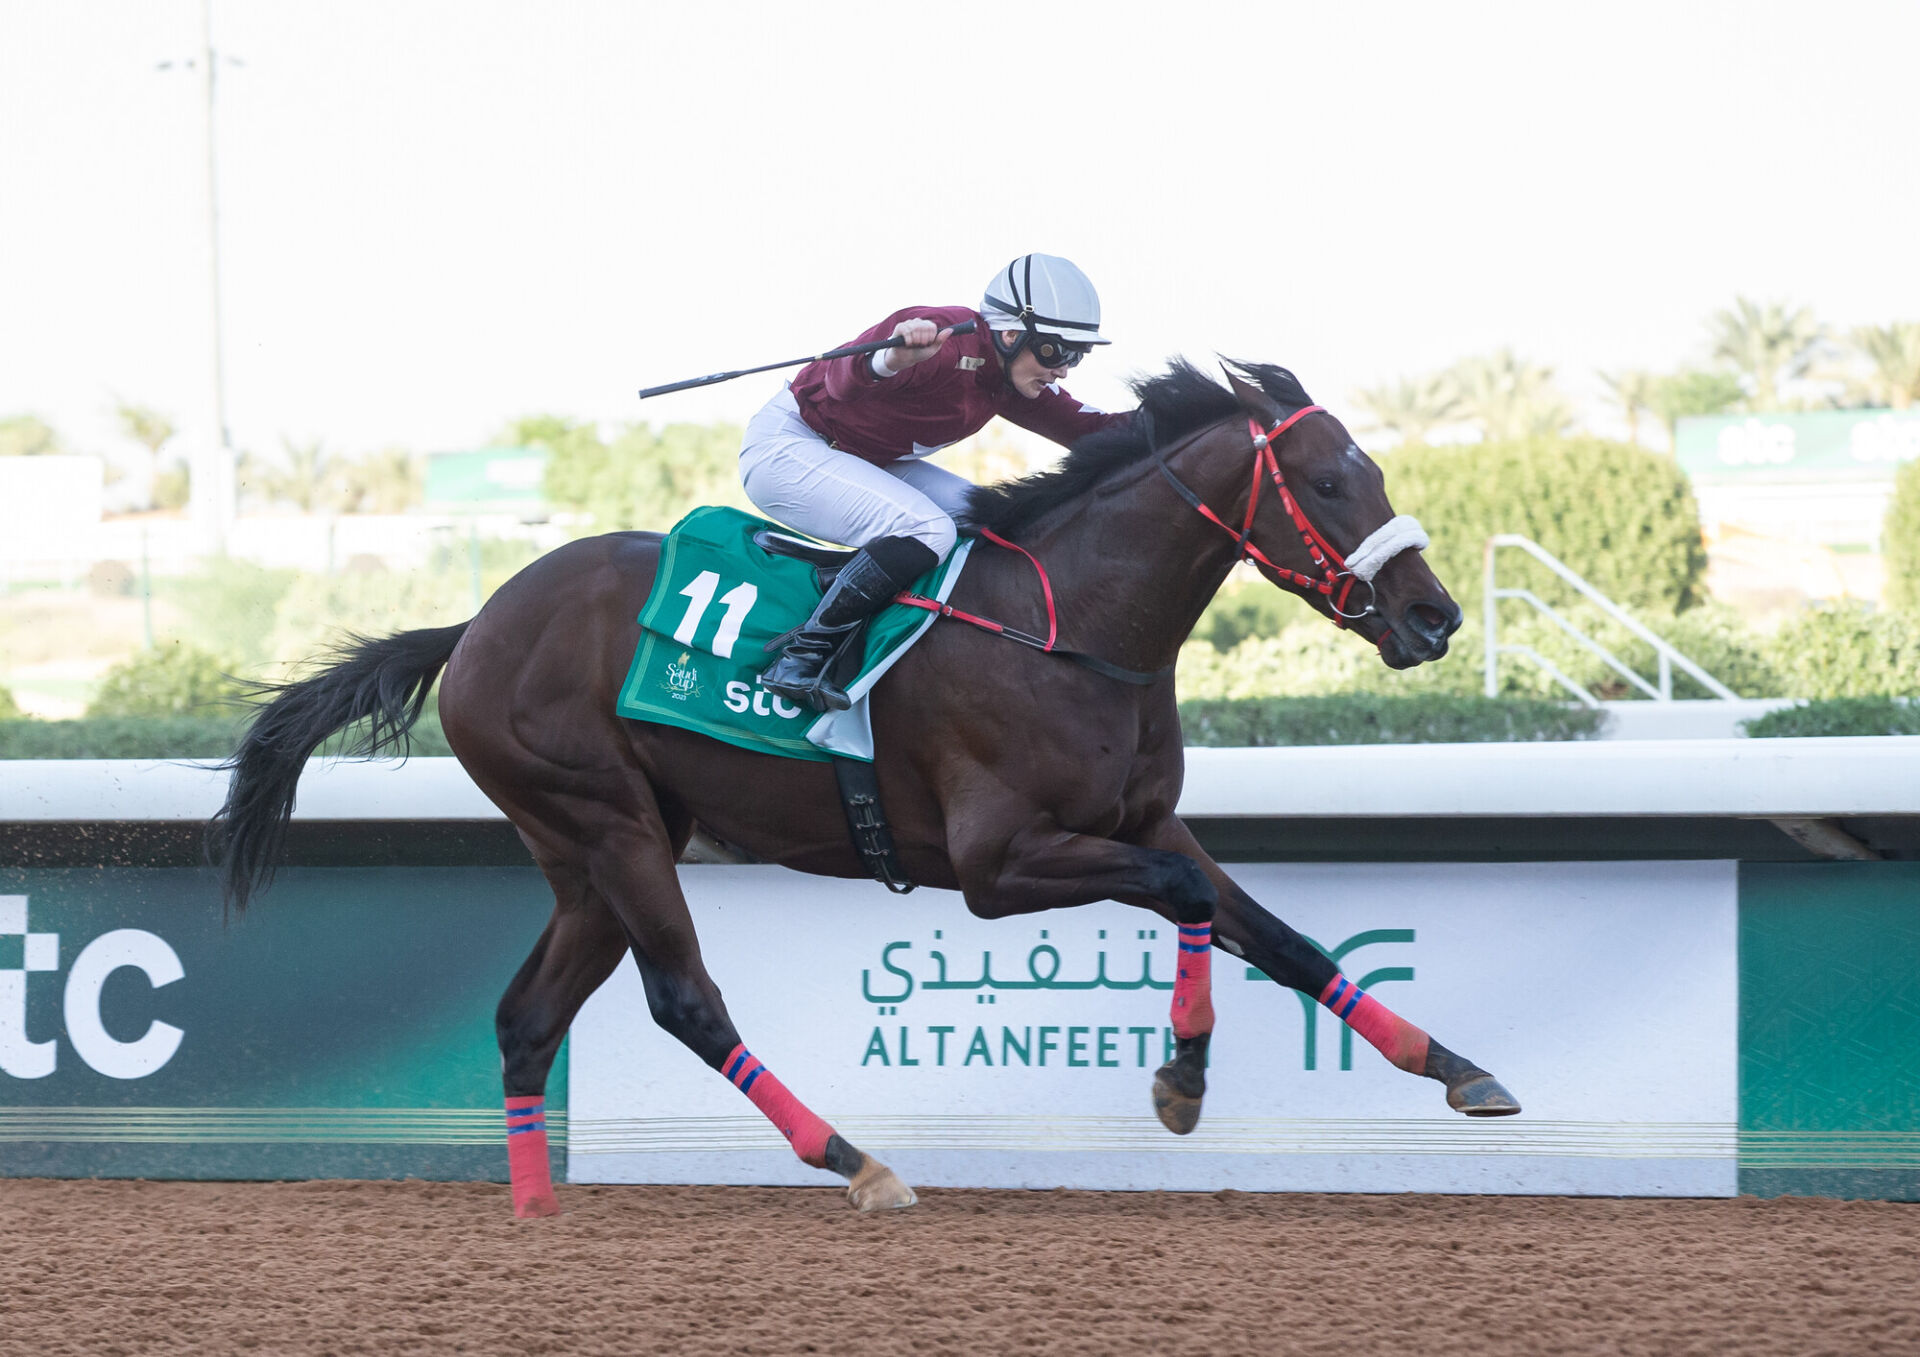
(331, 1267)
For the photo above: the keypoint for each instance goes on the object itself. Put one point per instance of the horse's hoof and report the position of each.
(878, 1188)
(535, 1207)
(1481, 1095)
(1178, 1108)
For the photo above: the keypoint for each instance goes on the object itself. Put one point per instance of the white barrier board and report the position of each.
(1020, 1053)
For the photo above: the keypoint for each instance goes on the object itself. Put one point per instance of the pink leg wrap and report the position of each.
(527, 1157)
(1193, 982)
(1390, 1034)
(804, 1131)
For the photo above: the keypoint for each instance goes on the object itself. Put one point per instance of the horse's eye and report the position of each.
(1326, 489)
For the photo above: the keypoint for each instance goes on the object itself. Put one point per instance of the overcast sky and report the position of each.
(438, 216)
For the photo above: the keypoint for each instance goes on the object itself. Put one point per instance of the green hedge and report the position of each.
(1838, 716)
(121, 737)
(168, 737)
(1355, 718)
(1620, 516)
(1900, 541)
(1844, 650)
(172, 679)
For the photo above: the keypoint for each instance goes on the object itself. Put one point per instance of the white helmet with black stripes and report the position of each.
(1043, 297)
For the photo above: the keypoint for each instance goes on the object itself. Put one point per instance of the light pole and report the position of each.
(213, 479)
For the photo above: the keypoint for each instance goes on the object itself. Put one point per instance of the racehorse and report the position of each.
(1020, 778)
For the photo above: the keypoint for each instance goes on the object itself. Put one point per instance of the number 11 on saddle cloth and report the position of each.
(716, 602)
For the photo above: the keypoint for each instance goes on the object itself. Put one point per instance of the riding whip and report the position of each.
(965, 327)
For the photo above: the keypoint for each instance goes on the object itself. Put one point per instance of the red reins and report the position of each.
(1333, 566)
(987, 623)
(1099, 666)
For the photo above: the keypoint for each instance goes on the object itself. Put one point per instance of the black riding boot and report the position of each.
(864, 585)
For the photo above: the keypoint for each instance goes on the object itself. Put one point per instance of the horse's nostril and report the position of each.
(1434, 622)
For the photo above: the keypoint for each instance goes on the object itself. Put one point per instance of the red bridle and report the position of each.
(1332, 565)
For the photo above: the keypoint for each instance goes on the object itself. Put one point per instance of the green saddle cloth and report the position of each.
(717, 601)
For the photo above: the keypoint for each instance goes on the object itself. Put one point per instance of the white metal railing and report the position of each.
(1661, 690)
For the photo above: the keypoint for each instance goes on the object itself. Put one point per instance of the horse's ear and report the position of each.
(1253, 400)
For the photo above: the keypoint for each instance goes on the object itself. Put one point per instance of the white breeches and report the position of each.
(792, 474)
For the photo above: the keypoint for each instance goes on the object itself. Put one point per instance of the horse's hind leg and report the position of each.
(631, 865)
(577, 951)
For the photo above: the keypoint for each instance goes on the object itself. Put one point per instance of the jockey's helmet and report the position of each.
(1049, 303)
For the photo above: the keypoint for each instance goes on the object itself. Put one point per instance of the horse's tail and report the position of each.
(383, 682)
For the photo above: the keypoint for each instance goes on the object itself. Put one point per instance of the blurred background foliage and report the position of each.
(1487, 446)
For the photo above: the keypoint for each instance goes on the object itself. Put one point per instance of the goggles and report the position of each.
(1054, 352)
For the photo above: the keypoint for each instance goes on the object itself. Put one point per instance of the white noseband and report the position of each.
(1397, 534)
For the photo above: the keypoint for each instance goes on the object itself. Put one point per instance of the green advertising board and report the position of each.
(1814, 445)
(497, 480)
(1830, 1029)
(343, 1028)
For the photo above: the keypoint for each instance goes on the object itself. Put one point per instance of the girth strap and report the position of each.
(867, 823)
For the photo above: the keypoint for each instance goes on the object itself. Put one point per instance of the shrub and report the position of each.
(1354, 718)
(228, 607)
(318, 610)
(170, 680)
(1713, 636)
(111, 579)
(1311, 657)
(1248, 606)
(1845, 650)
(1900, 541)
(644, 479)
(9, 709)
(1620, 516)
(1838, 716)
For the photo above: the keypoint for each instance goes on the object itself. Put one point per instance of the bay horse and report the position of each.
(1023, 780)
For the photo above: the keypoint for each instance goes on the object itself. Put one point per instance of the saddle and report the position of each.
(826, 561)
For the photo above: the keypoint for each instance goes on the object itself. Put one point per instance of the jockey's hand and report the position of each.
(920, 340)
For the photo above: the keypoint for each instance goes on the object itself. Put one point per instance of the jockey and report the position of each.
(838, 453)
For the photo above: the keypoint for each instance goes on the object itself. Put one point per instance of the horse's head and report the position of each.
(1327, 531)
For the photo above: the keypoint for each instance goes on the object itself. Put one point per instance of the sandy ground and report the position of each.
(334, 1267)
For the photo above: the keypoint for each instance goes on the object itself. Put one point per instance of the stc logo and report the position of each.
(24, 1058)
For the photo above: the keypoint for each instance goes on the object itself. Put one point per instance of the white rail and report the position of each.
(1721, 777)
(1667, 656)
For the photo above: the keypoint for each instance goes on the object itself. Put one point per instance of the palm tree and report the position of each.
(1635, 391)
(1509, 397)
(28, 436)
(1766, 344)
(302, 481)
(1894, 351)
(392, 481)
(151, 430)
(1412, 407)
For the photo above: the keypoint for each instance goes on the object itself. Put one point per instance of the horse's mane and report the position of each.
(1173, 404)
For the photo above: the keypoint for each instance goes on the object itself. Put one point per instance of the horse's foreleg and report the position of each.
(640, 881)
(579, 948)
(1246, 930)
(1049, 868)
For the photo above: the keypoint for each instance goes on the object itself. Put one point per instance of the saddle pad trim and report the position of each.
(849, 734)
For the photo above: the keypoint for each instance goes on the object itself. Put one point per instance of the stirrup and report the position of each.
(810, 681)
